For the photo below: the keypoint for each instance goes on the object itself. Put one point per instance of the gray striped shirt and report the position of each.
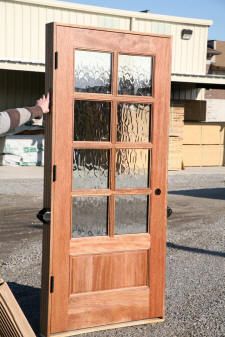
(13, 118)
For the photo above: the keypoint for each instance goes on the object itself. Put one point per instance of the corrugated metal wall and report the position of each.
(188, 56)
(22, 33)
(184, 92)
(20, 88)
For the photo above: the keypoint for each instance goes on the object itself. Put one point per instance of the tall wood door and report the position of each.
(108, 147)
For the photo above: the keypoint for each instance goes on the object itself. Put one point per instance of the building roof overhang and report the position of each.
(200, 81)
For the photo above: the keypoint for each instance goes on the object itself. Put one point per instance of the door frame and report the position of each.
(55, 32)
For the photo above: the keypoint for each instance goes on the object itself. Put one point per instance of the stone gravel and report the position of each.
(195, 291)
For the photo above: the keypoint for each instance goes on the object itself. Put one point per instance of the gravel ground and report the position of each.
(195, 298)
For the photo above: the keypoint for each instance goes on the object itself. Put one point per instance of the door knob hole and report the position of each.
(157, 191)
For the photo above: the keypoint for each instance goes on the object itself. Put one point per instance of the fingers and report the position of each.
(43, 98)
(43, 102)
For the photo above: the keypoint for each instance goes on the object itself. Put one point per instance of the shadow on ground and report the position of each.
(171, 245)
(209, 193)
(29, 301)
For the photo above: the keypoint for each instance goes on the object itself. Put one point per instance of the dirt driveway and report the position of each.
(195, 303)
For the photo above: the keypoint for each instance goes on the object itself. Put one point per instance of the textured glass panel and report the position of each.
(133, 122)
(90, 169)
(89, 216)
(131, 214)
(91, 121)
(135, 75)
(92, 71)
(132, 168)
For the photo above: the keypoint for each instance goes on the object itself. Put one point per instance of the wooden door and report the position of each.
(107, 138)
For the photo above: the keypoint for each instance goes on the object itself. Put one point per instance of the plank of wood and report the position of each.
(108, 327)
(108, 192)
(119, 243)
(13, 323)
(120, 305)
(117, 98)
(109, 145)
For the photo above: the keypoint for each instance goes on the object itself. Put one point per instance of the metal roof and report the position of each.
(117, 12)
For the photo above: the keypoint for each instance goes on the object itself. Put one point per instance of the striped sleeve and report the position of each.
(12, 118)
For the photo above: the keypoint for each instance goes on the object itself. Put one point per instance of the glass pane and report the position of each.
(135, 75)
(90, 169)
(132, 166)
(91, 121)
(131, 214)
(92, 71)
(133, 122)
(89, 216)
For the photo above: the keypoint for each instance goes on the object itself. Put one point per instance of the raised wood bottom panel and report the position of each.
(108, 307)
(109, 271)
(107, 327)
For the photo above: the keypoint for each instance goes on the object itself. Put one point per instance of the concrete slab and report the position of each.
(21, 172)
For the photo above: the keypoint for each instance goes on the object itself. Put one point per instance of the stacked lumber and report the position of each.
(175, 153)
(13, 323)
(176, 136)
(203, 144)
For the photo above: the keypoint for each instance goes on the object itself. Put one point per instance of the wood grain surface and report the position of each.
(113, 279)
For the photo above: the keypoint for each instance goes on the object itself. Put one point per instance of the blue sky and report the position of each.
(203, 9)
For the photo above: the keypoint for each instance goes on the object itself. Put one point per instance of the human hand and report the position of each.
(43, 103)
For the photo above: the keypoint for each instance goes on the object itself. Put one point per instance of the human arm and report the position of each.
(13, 118)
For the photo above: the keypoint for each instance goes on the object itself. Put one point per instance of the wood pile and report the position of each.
(176, 136)
(13, 323)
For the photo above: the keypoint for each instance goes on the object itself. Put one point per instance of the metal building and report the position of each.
(22, 48)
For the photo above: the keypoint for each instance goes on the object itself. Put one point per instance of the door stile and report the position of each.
(159, 180)
(62, 200)
(47, 241)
